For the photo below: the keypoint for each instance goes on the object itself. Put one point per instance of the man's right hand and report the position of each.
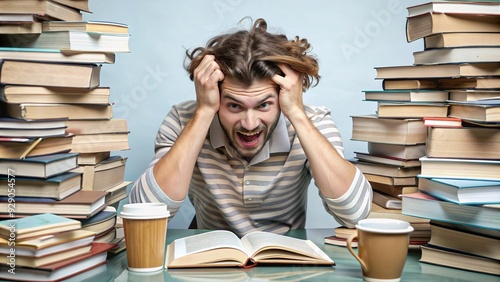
(206, 81)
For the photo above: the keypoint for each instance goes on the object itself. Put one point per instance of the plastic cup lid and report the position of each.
(144, 211)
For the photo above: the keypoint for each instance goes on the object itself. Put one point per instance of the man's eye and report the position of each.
(233, 106)
(264, 105)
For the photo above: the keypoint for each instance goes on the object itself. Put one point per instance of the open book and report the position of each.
(224, 249)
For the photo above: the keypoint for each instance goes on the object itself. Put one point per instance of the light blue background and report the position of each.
(349, 38)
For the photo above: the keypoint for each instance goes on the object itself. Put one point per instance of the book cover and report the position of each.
(463, 241)
(56, 55)
(43, 8)
(442, 121)
(40, 166)
(57, 187)
(88, 26)
(460, 168)
(451, 258)
(454, 7)
(49, 244)
(225, 249)
(61, 270)
(406, 95)
(462, 191)
(370, 128)
(411, 109)
(49, 74)
(22, 94)
(386, 201)
(37, 225)
(22, 147)
(438, 71)
(73, 40)
(428, 24)
(101, 221)
(82, 204)
(464, 142)
(426, 206)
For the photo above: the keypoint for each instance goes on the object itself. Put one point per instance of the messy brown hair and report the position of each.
(253, 55)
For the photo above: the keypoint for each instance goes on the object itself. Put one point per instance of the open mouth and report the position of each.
(249, 139)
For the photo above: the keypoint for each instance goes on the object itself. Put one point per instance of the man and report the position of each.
(246, 150)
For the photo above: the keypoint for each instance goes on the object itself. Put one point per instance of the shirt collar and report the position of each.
(278, 143)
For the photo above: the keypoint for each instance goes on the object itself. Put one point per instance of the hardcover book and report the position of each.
(57, 187)
(37, 225)
(411, 110)
(388, 130)
(19, 94)
(460, 260)
(460, 168)
(74, 40)
(41, 166)
(462, 191)
(426, 206)
(463, 142)
(43, 8)
(82, 204)
(456, 239)
(50, 244)
(225, 249)
(61, 270)
(49, 74)
(56, 55)
(428, 24)
(455, 7)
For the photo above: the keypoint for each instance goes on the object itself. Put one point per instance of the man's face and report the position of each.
(248, 114)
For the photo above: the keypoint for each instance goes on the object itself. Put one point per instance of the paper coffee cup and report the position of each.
(145, 226)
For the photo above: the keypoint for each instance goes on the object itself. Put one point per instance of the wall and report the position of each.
(350, 38)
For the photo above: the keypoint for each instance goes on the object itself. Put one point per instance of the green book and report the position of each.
(36, 226)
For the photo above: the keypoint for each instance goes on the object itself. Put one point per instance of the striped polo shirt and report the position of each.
(269, 193)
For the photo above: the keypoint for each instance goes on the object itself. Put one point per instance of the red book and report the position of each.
(442, 121)
(60, 270)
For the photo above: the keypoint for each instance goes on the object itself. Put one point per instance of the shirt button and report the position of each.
(247, 182)
(249, 199)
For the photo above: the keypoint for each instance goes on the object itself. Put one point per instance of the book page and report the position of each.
(207, 241)
(287, 247)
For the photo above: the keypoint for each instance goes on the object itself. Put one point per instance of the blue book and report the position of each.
(36, 226)
(39, 166)
(56, 55)
(424, 205)
(462, 191)
(100, 222)
(57, 187)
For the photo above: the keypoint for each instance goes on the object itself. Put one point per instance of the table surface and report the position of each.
(346, 268)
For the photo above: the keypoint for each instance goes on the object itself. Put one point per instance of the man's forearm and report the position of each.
(174, 170)
(332, 173)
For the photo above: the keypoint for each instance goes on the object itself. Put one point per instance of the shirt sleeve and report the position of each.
(145, 188)
(355, 204)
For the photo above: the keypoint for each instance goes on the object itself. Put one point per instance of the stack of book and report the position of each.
(57, 131)
(50, 92)
(47, 247)
(459, 181)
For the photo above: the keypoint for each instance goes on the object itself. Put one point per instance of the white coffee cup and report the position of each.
(145, 226)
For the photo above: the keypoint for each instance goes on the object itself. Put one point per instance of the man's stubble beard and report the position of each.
(268, 136)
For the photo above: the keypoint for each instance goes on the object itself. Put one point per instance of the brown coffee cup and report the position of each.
(382, 248)
(145, 226)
